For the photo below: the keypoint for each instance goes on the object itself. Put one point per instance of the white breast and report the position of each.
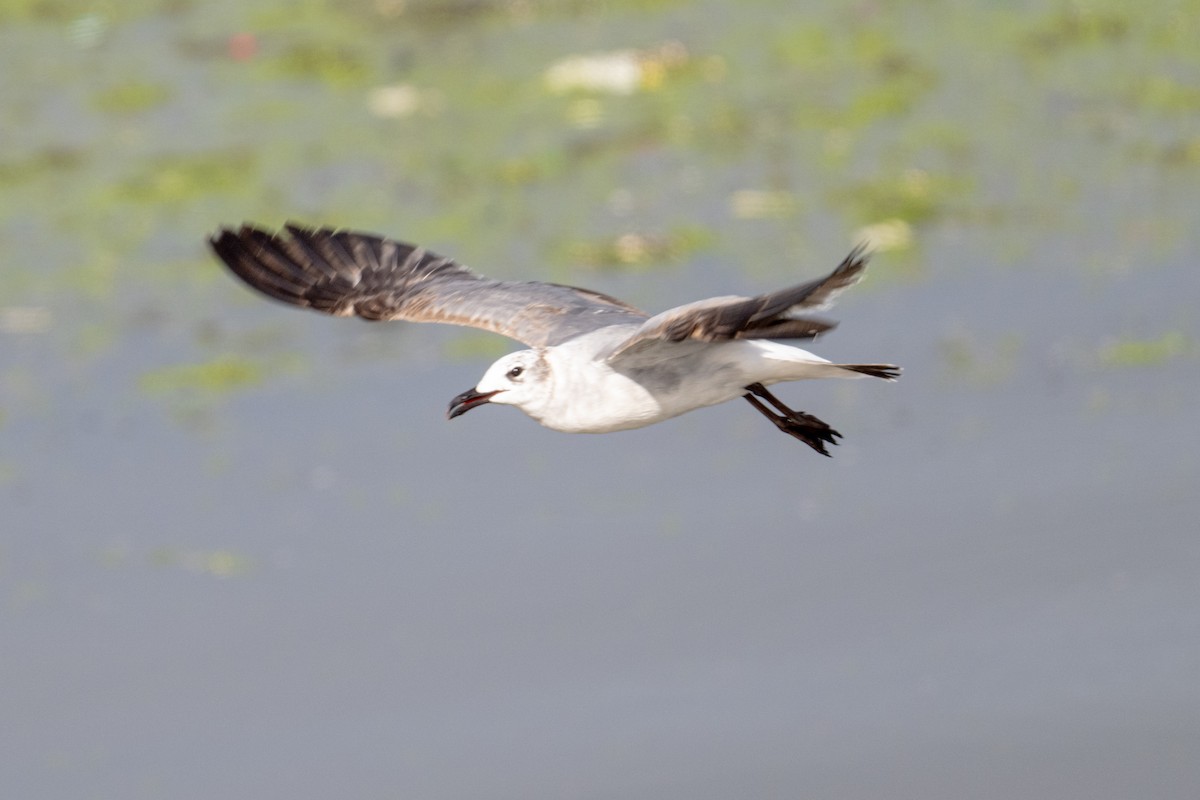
(589, 397)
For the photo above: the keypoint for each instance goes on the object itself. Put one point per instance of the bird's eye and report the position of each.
(515, 372)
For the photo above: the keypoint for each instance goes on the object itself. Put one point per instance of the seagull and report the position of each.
(595, 364)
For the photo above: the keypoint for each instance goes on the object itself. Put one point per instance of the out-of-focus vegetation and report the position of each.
(215, 376)
(534, 139)
(1147, 352)
(214, 563)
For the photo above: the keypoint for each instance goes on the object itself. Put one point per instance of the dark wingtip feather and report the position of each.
(257, 257)
(860, 254)
(797, 328)
(852, 266)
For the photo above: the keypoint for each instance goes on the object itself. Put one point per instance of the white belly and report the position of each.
(591, 396)
(608, 402)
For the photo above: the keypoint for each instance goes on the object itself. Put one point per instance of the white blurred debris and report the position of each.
(25, 319)
(617, 71)
(633, 248)
(394, 102)
(889, 234)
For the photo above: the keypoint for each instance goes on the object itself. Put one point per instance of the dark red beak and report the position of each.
(466, 401)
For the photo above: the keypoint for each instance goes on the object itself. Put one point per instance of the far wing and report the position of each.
(357, 274)
(776, 315)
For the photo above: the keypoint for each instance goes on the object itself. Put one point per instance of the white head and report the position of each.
(521, 379)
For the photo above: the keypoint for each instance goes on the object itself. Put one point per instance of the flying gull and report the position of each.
(596, 364)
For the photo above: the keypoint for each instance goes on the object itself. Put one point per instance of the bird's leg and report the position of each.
(805, 427)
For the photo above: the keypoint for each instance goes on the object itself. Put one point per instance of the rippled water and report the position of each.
(243, 554)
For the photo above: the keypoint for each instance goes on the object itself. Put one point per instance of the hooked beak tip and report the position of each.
(466, 401)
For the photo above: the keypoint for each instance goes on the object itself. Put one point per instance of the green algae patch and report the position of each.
(180, 179)
(913, 196)
(215, 563)
(42, 165)
(1077, 25)
(130, 98)
(338, 65)
(213, 377)
(1146, 352)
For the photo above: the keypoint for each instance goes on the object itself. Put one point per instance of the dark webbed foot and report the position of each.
(805, 427)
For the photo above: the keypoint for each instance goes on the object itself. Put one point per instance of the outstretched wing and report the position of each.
(776, 315)
(357, 274)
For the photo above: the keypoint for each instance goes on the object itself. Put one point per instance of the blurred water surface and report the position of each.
(242, 554)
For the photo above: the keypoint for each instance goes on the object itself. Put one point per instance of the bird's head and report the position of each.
(520, 379)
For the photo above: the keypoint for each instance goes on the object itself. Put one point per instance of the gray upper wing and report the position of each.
(776, 315)
(357, 274)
